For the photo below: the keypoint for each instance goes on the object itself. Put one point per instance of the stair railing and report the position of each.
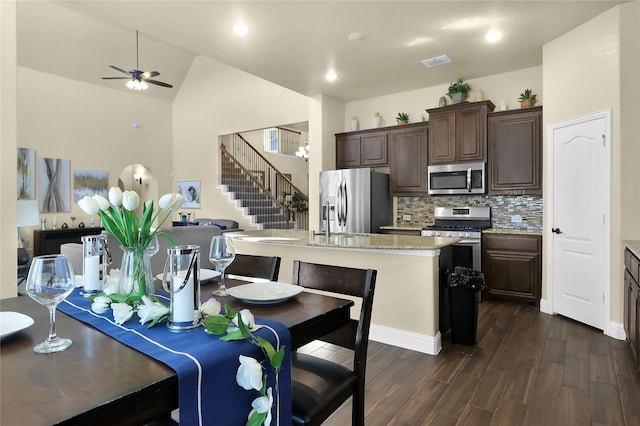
(247, 167)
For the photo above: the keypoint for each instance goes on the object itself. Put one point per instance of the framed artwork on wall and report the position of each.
(26, 174)
(90, 182)
(54, 186)
(190, 190)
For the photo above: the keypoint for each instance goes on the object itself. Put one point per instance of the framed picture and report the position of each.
(54, 186)
(26, 174)
(190, 190)
(90, 182)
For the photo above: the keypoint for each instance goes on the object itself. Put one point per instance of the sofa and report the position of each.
(195, 235)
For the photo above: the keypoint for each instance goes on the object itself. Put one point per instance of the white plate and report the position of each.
(205, 274)
(264, 292)
(12, 322)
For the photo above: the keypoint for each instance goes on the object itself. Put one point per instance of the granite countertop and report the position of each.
(404, 227)
(634, 246)
(357, 241)
(511, 231)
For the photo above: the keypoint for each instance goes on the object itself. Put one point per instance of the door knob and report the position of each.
(556, 230)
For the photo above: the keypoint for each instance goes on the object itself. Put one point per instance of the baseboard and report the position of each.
(544, 307)
(405, 339)
(615, 330)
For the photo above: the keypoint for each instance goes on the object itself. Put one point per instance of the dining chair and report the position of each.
(253, 266)
(319, 386)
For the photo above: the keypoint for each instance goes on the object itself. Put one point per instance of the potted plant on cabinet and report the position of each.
(527, 99)
(458, 91)
(402, 118)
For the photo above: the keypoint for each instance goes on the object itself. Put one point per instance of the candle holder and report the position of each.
(95, 259)
(182, 282)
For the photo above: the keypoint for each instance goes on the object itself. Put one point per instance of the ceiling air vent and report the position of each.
(438, 60)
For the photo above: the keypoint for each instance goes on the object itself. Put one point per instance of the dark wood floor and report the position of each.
(528, 368)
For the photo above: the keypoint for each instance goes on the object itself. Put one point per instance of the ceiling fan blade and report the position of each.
(159, 83)
(118, 69)
(150, 74)
(116, 78)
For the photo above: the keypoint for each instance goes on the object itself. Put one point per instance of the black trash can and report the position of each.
(465, 286)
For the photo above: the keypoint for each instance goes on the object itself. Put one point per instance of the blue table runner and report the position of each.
(206, 366)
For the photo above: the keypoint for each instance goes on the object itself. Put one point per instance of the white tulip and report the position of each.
(263, 404)
(249, 374)
(103, 202)
(130, 200)
(151, 310)
(115, 196)
(177, 203)
(211, 307)
(89, 205)
(121, 312)
(100, 304)
(166, 201)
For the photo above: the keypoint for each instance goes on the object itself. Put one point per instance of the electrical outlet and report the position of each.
(516, 219)
(406, 217)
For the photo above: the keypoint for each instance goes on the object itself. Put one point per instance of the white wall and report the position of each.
(506, 86)
(216, 100)
(582, 74)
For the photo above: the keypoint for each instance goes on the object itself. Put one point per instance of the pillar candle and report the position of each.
(91, 274)
(182, 306)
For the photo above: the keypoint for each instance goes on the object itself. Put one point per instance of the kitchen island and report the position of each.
(405, 307)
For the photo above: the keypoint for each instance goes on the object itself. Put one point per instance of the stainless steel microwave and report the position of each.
(461, 178)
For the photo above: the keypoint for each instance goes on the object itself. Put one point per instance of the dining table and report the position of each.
(100, 381)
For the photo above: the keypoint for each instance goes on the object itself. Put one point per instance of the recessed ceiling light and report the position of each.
(438, 60)
(357, 36)
(331, 76)
(493, 36)
(240, 29)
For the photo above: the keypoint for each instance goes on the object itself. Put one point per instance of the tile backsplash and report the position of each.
(503, 209)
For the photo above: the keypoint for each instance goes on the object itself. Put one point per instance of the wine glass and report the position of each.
(49, 282)
(221, 254)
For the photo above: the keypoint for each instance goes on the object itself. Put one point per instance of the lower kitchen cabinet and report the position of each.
(632, 302)
(512, 267)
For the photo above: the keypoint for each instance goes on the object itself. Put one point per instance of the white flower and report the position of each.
(103, 202)
(130, 200)
(115, 196)
(177, 202)
(89, 205)
(247, 319)
(210, 308)
(263, 404)
(151, 310)
(121, 312)
(100, 304)
(166, 201)
(249, 375)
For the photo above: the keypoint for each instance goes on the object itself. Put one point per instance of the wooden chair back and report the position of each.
(254, 266)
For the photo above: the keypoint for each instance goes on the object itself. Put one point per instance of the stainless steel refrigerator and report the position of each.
(359, 200)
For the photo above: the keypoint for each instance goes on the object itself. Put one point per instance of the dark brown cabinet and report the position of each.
(362, 149)
(408, 148)
(632, 302)
(512, 267)
(458, 133)
(515, 152)
(49, 241)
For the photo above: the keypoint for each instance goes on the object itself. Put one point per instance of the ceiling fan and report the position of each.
(138, 79)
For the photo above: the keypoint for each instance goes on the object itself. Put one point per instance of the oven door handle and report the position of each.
(474, 242)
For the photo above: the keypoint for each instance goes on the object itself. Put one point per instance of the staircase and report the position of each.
(253, 190)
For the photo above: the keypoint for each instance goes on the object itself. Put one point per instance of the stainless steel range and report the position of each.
(466, 223)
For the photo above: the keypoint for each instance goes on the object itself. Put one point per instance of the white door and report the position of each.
(580, 206)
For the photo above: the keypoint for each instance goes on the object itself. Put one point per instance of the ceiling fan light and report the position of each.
(137, 85)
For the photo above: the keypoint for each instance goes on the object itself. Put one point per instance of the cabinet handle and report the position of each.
(556, 231)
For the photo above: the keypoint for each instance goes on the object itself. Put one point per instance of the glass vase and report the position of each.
(135, 274)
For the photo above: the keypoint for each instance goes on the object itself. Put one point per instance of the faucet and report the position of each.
(327, 231)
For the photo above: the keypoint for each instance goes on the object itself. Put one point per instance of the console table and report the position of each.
(49, 241)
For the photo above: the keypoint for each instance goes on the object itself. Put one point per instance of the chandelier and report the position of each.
(303, 151)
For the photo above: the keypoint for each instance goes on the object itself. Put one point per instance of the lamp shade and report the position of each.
(28, 214)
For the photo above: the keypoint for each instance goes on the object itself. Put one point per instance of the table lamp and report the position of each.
(28, 215)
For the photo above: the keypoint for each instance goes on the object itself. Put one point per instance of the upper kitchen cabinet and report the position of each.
(408, 152)
(458, 133)
(362, 149)
(515, 151)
